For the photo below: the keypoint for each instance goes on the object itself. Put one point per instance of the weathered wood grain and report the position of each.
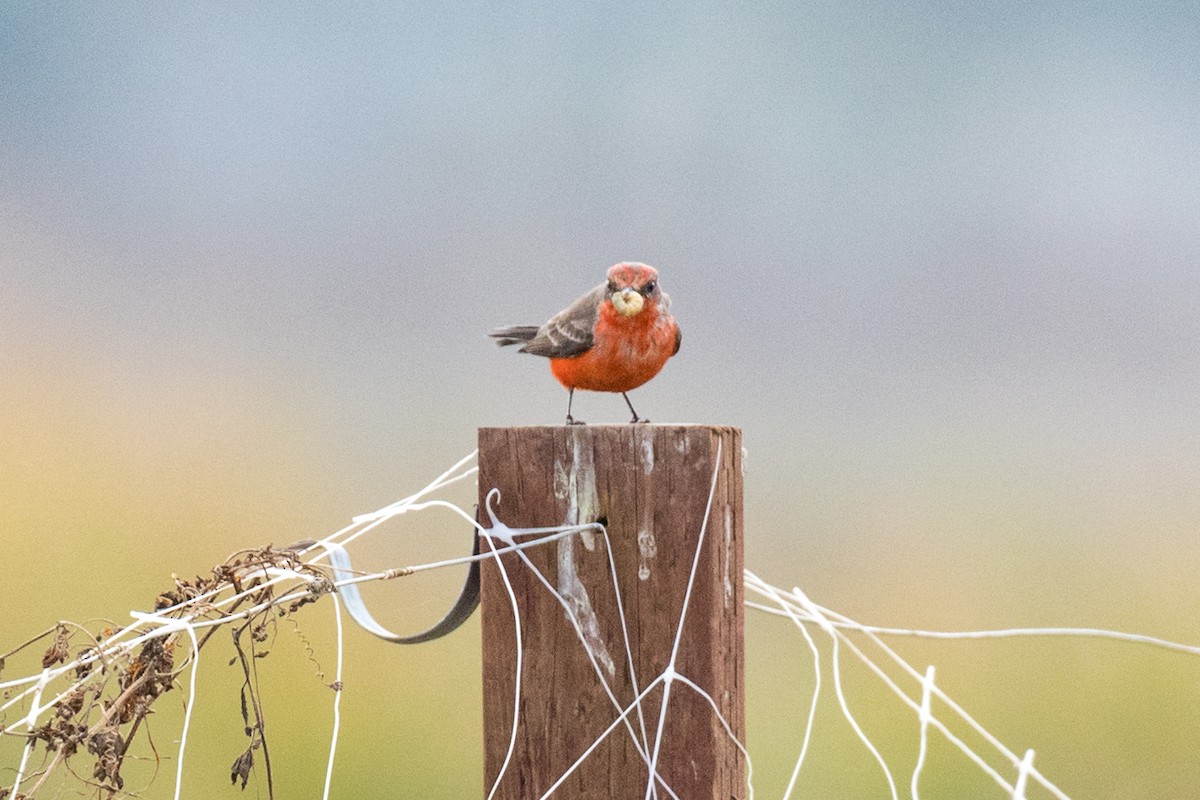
(649, 484)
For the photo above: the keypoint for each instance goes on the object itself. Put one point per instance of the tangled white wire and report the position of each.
(808, 617)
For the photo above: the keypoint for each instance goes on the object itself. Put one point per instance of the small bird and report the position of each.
(613, 339)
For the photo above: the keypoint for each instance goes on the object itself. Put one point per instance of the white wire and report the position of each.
(337, 696)
(794, 606)
(924, 717)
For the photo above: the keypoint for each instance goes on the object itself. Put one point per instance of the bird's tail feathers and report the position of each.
(514, 334)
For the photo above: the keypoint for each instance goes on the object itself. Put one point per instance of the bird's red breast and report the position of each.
(626, 352)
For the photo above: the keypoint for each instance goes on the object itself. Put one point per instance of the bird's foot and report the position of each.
(639, 421)
(572, 421)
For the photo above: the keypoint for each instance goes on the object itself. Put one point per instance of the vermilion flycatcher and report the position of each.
(613, 339)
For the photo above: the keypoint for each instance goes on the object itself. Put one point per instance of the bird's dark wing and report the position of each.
(514, 334)
(569, 332)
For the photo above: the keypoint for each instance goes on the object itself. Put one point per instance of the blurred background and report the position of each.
(941, 264)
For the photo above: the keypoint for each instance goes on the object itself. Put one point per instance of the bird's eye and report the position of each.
(612, 287)
(649, 288)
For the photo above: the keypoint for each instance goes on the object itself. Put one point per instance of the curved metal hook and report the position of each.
(460, 612)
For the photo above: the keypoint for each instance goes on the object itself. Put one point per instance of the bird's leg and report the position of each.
(635, 416)
(571, 420)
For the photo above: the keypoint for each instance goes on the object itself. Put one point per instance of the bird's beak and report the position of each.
(627, 302)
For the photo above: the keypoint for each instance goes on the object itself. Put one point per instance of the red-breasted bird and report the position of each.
(613, 339)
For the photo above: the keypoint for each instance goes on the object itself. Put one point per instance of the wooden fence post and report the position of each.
(649, 485)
